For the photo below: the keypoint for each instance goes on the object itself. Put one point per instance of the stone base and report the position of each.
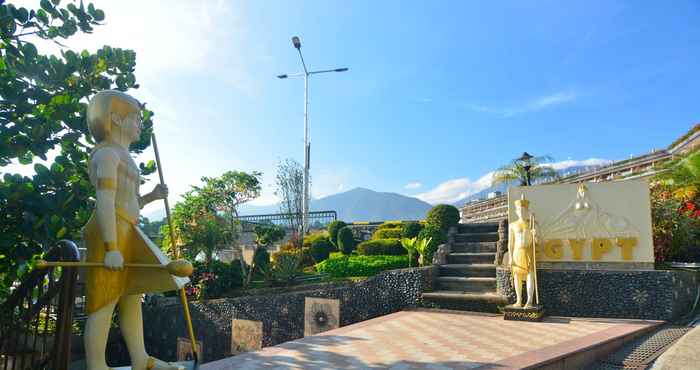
(534, 313)
(188, 365)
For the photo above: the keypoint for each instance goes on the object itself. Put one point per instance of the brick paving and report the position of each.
(435, 340)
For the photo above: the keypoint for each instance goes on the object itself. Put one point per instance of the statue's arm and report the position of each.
(106, 162)
(511, 238)
(159, 192)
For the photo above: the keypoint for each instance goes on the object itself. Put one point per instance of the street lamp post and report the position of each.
(307, 145)
(525, 159)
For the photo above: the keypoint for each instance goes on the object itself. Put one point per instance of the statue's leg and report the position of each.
(131, 322)
(518, 287)
(95, 337)
(530, 290)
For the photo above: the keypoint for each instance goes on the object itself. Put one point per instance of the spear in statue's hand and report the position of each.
(176, 254)
(534, 256)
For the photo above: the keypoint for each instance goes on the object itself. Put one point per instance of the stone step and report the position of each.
(487, 227)
(466, 284)
(477, 237)
(466, 258)
(468, 270)
(442, 295)
(474, 247)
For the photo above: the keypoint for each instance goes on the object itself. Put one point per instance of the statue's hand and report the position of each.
(114, 260)
(160, 191)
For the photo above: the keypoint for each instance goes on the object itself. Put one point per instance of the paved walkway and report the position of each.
(436, 340)
(683, 354)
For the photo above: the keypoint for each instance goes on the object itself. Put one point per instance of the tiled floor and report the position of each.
(434, 340)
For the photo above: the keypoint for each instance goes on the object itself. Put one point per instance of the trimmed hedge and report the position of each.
(387, 234)
(391, 225)
(346, 241)
(333, 229)
(443, 216)
(320, 249)
(360, 265)
(311, 238)
(411, 230)
(306, 258)
(377, 247)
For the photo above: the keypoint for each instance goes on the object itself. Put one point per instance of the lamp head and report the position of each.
(282, 76)
(296, 42)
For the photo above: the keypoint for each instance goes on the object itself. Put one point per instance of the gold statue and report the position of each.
(112, 238)
(521, 239)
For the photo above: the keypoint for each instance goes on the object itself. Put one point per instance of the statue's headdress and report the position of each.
(522, 202)
(101, 107)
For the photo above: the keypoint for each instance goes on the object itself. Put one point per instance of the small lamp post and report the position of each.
(526, 161)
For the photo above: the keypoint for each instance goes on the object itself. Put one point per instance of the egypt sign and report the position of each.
(590, 222)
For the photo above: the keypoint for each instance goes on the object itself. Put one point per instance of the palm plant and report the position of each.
(517, 170)
(409, 244)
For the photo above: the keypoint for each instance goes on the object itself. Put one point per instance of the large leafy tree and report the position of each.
(43, 99)
(515, 171)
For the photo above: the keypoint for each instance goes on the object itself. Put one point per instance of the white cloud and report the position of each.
(532, 105)
(452, 191)
(413, 185)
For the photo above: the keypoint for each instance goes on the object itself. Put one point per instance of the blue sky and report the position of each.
(438, 93)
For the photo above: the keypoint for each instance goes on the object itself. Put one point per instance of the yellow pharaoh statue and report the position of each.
(521, 241)
(112, 237)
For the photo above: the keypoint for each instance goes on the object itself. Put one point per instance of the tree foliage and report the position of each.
(43, 99)
(515, 171)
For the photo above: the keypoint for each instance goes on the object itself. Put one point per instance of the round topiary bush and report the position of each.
(346, 241)
(320, 249)
(333, 229)
(438, 237)
(262, 260)
(411, 229)
(443, 216)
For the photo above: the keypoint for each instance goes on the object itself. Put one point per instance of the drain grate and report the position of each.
(639, 353)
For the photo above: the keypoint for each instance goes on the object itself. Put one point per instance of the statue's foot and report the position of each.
(517, 304)
(156, 364)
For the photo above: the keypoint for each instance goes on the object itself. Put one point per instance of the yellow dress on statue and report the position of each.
(522, 251)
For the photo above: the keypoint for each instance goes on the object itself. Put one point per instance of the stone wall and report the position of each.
(282, 315)
(653, 294)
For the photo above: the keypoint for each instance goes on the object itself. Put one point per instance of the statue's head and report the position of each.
(114, 114)
(521, 206)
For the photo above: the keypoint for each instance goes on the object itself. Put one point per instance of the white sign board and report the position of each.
(590, 222)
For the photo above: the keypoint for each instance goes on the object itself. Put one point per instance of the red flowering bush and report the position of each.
(676, 222)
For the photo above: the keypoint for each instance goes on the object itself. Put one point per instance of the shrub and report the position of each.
(387, 233)
(320, 249)
(333, 229)
(216, 278)
(262, 260)
(360, 265)
(411, 230)
(438, 237)
(304, 256)
(311, 238)
(287, 266)
(443, 216)
(377, 247)
(346, 241)
(391, 225)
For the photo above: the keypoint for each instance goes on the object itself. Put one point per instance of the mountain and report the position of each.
(360, 204)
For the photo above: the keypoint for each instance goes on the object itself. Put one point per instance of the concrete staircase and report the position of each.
(468, 280)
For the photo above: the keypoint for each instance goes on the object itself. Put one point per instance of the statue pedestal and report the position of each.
(534, 313)
(187, 365)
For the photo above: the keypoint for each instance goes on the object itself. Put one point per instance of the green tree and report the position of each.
(333, 229)
(225, 194)
(346, 241)
(198, 228)
(515, 172)
(43, 99)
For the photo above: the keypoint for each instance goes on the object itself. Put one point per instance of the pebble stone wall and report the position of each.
(652, 294)
(282, 315)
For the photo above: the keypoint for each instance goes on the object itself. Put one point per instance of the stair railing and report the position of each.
(36, 319)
